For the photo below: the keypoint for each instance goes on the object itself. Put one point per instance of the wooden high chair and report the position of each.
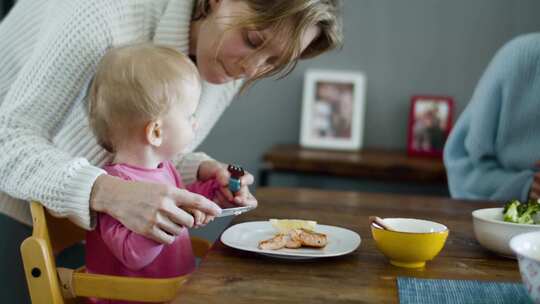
(48, 284)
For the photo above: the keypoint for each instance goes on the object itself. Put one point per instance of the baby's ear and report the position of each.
(154, 132)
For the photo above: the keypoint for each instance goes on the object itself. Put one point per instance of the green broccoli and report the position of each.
(521, 213)
(510, 211)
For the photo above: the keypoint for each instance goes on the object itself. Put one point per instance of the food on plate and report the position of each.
(277, 242)
(294, 234)
(309, 238)
(515, 211)
(284, 226)
(292, 243)
(295, 238)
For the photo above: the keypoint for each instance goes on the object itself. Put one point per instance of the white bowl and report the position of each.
(412, 225)
(493, 233)
(527, 248)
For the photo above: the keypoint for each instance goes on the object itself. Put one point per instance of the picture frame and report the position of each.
(430, 123)
(333, 109)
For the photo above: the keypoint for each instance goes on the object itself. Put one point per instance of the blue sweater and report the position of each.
(491, 152)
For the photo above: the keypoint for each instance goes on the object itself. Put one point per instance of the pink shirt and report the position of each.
(113, 249)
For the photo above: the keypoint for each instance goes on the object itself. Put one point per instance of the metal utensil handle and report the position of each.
(235, 211)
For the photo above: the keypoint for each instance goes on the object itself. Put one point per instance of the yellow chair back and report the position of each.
(48, 284)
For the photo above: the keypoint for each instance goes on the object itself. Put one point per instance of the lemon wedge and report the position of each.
(284, 226)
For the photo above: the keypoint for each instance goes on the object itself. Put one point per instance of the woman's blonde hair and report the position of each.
(290, 18)
(134, 85)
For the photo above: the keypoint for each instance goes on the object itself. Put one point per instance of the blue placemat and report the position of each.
(423, 291)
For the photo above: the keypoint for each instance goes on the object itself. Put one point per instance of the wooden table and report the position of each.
(378, 164)
(227, 275)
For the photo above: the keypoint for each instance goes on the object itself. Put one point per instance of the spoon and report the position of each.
(380, 222)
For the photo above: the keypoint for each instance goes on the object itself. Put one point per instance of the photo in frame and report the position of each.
(333, 110)
(430, 122)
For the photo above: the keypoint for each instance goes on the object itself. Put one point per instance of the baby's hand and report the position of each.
(244, 197)
(224, 197)
(200, 219)
(241, 197)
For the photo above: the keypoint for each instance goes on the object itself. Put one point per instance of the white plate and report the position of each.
(494, 233)
(246, 236)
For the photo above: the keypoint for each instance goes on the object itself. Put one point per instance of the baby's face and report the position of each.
(180, 123)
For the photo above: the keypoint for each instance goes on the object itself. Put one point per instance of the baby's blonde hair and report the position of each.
(134, 85)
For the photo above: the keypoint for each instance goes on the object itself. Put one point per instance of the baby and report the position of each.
(142, 104)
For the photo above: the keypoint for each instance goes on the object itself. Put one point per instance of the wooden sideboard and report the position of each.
(374, 164)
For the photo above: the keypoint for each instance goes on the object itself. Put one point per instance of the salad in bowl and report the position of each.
(494, 227)
(515, 211)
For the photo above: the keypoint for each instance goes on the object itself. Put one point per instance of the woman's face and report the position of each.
(224, 54)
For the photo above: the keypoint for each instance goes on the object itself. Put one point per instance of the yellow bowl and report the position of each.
(412, 243)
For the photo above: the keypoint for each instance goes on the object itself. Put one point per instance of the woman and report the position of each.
(492, 152)
(48, 52)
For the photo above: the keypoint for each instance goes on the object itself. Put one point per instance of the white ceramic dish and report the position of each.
(493, 233)
(246, 236)
(412, 225)
(527, 248)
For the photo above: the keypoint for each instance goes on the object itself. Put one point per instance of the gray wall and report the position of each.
(404, 48)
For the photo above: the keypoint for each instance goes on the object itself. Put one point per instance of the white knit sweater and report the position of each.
(48, 52)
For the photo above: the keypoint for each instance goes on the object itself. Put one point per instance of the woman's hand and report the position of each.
(154, 210)
(214, 169)
(534, 193)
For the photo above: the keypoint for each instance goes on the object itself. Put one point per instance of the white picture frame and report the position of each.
(333, 110)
